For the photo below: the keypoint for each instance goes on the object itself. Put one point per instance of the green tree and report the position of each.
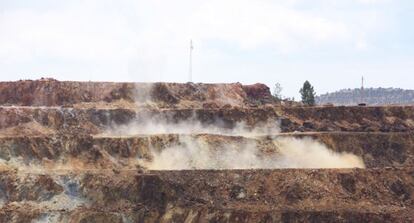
(308, 94)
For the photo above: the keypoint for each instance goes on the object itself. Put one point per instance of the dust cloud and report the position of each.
(289, 153)
(194, 152)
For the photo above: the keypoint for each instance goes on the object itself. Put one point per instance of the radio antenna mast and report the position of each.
(190, 70)
(362, 89)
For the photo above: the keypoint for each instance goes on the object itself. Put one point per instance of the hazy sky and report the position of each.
(331, 43)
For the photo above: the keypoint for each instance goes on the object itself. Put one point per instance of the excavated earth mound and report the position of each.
(168, 152)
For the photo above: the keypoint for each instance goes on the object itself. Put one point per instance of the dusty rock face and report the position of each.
(378, 150)
(50, 92)
(239, 195)
(76, 152)
(357, 119)
(324, 119)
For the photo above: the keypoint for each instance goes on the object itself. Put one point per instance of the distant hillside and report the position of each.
(372, 96)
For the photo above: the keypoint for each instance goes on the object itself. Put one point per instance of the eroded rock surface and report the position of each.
(86, 152)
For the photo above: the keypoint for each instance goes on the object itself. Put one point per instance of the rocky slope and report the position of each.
(50, 92)
(210, 196)
(86, 152)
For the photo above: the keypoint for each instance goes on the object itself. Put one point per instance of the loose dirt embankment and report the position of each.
(87, 152)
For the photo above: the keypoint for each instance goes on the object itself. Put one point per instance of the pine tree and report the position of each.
(308, 94)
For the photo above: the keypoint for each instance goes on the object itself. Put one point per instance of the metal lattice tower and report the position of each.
(190, 70)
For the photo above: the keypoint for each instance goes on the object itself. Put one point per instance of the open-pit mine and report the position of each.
(168, 152)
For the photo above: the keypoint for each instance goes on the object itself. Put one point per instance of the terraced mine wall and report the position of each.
(165, 152)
